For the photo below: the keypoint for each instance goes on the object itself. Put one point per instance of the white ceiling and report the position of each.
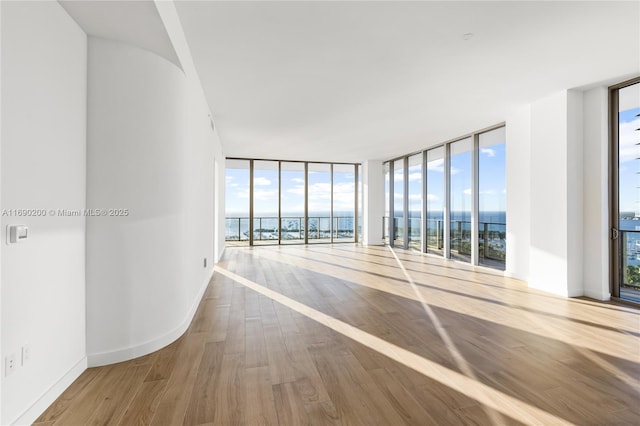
(350, 81)
(371, 80)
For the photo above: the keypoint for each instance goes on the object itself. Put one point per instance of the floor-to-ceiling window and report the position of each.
(414, 201)
(291, 202)
(344, 202)
(359, 202)
(320, 203)
(460, 187)
(492, 215)
(435, 199)
(266, 196)
(450, 200)
(398, 203)
(237, 201)
(625, 192)
(387, 202)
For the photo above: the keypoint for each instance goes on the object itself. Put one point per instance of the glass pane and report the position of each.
(292, 181)
(360, 204)
(460, 199)
(344, 187)
(387, 195)
(415, 201)
(319, 179)
(398, 203)
(237, 202)
(492, 215)
(629, 190)
(435, 201)
(265, 202)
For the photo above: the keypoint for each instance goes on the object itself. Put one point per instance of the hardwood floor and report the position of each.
(347, 335)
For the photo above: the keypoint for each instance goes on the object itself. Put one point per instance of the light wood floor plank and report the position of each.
(250, 357)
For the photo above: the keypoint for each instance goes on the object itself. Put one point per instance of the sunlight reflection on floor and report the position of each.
(489, 397)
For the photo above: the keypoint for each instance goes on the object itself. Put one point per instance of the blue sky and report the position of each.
(492, 186)
(266, 191)
(492, 183)
(628, 165)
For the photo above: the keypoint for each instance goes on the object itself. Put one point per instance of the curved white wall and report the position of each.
(147, 152)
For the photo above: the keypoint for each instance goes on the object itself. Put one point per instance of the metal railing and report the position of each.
(290, 228)
(491, 236)
(630, 258)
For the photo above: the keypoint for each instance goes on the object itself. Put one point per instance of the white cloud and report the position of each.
(415, 176)
(265, 195)
(432, 197)
(297, 180)
(261, 181)
(436, 165)
(488, 151)
(243, 194)
(486, 192)
(296, 190)
(228, 178)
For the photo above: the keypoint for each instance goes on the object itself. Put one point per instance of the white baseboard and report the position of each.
(105, 358)
(516, 276)
(38, 407)
(597, 295)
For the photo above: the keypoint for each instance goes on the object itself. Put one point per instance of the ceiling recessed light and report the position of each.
(467, 36)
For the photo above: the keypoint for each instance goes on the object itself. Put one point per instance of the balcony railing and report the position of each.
(630, 259)
(491, 237)
(290, 228)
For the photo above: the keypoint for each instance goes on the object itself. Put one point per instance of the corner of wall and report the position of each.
(595, 202)
(575, 191)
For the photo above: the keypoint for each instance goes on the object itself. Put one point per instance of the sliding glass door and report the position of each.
(625, 191)
(460, 183)
(435, 201)
(292, 199)
(266, 195)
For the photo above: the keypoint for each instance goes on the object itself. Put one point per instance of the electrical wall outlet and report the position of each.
(26, 354)
(10, 364)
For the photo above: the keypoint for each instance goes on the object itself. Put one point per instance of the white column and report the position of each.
(555, 259)
(373, 202)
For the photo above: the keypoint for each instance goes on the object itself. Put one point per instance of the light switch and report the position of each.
(17, 233)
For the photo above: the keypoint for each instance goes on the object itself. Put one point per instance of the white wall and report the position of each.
(549, 214)
(595, 195)
(150, 150)
(372, 202)
(173, 26)
(575, 191)
(555, 196)
(518, 173)
(43, 167)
